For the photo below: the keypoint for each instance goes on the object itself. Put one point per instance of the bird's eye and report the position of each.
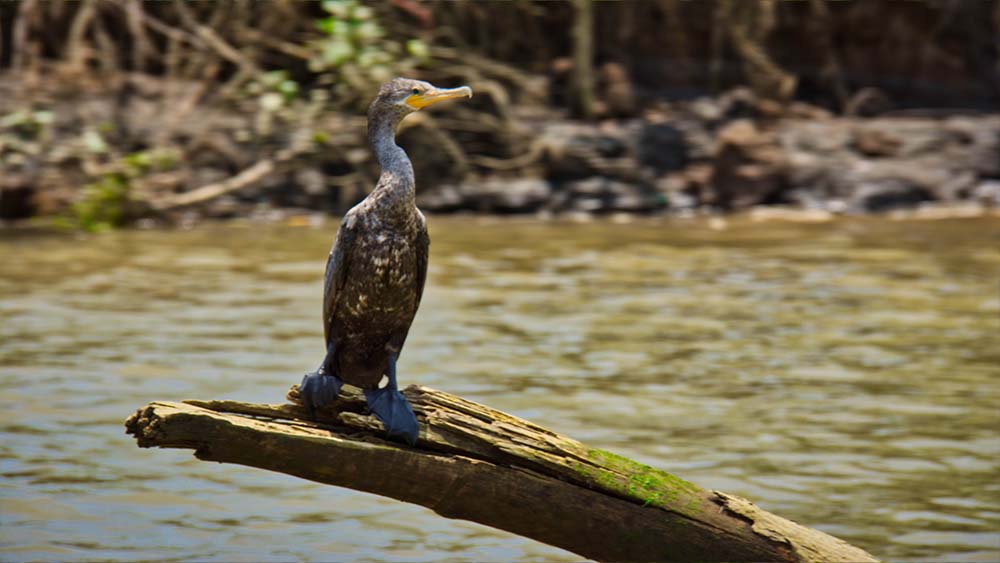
(415, 91)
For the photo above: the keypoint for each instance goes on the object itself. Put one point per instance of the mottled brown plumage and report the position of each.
(374, 281)
(378, 265)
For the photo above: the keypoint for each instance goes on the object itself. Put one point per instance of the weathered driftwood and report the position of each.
(476, 463)
(246, 178)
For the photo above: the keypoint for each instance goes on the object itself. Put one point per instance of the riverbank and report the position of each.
(125, 151)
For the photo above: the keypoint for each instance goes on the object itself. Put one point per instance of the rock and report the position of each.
(678, 192)
(749, 168)
(875, 142)
(976, 143)
(699, 140)
(225, 207)
(445, 199)
(615, 90)
(569, 151)
(500, 195)
(17, 196)
(590, 187)
(662, 147)
(957, 187)
(706, 110)
(495, 195)
(600, 194)
(802, 110)
(889, 194)
(311, 181)
(815, 137)
(868, 102)
(738, 103)
(699, 180)
(574, 151)
(770, 109)
(987, 193)
(888, 163)
(740, 133)
(588, 204)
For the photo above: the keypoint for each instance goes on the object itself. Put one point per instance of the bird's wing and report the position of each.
(422, 247)
(336, 271)
(423, 255)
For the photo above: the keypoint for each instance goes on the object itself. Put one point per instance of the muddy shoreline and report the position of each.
(125, 154)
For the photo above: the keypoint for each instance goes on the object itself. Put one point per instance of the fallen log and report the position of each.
(477, 463)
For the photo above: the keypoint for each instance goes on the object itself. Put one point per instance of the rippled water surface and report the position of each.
(845, 375)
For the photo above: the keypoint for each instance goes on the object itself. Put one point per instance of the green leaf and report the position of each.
(271, 101)
(368, 30)
(326, 25)
(13, 119)
(44, 117)
(289, 88)
(93, 142)
(368, 57)
(141, 160)
(274, 77)
(417, 48)
(362, 13)
(336, 51)
(338, 8)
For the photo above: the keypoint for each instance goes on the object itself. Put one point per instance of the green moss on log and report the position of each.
(642, 483)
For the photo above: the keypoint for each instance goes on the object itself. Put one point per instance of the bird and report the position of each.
(376, 271)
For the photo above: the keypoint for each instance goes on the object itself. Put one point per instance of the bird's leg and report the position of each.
(321, 387)
(391, 407)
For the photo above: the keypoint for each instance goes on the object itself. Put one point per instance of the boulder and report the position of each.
(749, 168)
(875, 142)
(987, 193)
(662, 147)
(500, 195)
(603, 195)
(888, 194)
(445, 199)
(17, 196)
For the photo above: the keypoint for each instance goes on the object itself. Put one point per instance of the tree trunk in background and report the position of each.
(749, 24)
(582, 98)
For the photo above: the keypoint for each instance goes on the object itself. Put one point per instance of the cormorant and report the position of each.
(376, 270)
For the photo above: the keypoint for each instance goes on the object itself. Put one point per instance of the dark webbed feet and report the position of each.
(318, 390)
(392, 408)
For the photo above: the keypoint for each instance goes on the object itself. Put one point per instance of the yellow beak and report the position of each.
(420, 101)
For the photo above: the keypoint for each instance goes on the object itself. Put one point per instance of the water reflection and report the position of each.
(844, 375)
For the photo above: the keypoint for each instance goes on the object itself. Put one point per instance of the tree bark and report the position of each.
(476, 463)
(583, 59)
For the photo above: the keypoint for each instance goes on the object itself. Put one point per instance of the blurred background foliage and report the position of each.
(225, 86)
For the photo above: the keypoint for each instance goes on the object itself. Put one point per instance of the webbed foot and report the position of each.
(392, 408)
(319, 389)
(394, 411)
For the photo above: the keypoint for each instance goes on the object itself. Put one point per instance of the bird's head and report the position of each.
(404, 96)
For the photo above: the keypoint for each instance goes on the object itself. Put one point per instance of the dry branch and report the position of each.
(251, 176)
(479, 464)
(215, 42)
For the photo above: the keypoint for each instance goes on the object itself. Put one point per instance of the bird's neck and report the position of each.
(397, 171)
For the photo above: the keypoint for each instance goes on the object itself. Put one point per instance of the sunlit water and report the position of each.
(844, 375)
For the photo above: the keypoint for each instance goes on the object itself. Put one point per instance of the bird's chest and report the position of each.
(382, 281)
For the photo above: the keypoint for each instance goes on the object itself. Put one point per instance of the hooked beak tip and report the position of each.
(418, 101)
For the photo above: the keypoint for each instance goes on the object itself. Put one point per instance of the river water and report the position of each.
(845, 375)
